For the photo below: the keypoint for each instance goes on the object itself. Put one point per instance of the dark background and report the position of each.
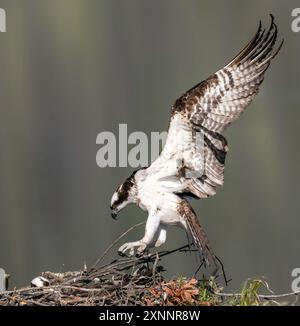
(71, 69)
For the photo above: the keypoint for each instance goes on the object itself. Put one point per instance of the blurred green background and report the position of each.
(73, 68)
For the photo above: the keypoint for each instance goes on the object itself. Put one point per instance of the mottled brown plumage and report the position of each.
(212, 105)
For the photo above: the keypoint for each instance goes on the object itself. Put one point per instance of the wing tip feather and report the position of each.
(260, 45)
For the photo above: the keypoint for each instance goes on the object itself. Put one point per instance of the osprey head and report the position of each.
(124, 195)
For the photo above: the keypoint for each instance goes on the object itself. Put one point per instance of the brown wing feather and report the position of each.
(212, 105)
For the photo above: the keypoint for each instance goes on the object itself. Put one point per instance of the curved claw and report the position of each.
(130, 248)
(121, 254)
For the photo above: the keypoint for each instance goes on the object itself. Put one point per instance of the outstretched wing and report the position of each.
(210, 107)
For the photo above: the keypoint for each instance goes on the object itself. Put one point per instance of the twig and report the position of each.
(223, 271)
(154, 267)
(49, 289)
(262, 296)
(37, 303)
(115, 242)
(164, 253)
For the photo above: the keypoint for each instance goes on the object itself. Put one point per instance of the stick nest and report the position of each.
(126, 281)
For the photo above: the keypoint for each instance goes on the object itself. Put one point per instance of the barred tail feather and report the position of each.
(198, 234)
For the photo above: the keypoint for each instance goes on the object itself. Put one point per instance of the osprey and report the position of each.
(187, 168)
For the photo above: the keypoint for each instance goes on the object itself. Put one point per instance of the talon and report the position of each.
(141, 250)
(121, 254)
(128, 247)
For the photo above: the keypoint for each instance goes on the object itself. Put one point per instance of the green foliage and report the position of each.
(207, 292)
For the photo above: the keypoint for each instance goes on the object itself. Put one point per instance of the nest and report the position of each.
(123, 282)
(130, 282)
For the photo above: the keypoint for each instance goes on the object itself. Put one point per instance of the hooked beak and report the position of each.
(114, 214)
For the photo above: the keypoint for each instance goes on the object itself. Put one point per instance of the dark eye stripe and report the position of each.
(121, 199)
(124, 189)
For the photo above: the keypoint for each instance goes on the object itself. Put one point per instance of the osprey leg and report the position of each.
(151, 229)
(162, 236)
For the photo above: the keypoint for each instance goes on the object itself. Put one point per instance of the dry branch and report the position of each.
(121, 282)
